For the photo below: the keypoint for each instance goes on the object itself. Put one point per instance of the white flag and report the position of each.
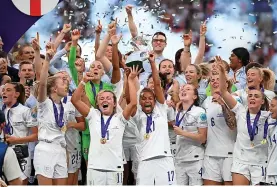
(35, 7)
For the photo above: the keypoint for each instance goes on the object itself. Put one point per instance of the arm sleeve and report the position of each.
(71, 62)
(202, 119)
(56, 59)
(29, 120)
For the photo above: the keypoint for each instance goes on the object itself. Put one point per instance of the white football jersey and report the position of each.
(48, 130)
(243, 96)
(106, 156)
(188, 149)
(158, 142)
(20, 119)
(272, 148)
(72, 136)
(220, 138)
(243, 151)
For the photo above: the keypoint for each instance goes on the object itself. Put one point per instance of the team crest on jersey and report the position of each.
(34, 112)
(203, 117)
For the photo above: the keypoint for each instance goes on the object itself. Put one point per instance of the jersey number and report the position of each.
(170, 175)
(212, 122)
(76, 157)
(200, 172)
(274, 139)
(119, 178)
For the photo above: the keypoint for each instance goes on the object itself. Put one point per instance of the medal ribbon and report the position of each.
(58, 118)
(166, 89)
(251, 130)
(149, 123)
(177, 121)
(8, 129)
(105, 126)
(94, 90)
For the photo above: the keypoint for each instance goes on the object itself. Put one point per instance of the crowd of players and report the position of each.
(138, 118)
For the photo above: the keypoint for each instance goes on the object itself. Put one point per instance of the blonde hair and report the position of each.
(51, 82)
(205, 70)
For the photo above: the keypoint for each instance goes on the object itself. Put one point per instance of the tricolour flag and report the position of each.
(35, 7)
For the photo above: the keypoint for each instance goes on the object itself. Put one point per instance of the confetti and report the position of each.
(275, 32)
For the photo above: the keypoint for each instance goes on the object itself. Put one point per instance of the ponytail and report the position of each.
(19, 88)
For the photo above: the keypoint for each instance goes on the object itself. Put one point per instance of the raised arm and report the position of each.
(132, 26)
(227, 97)
(77, 95)
(185, 58)
(132, 78)
(42, 91)
(156, 79)
(202, 43)
(100, 55)
(72, 55)
(58, 40)
(37, 60)
(98, 31)
(116, 75)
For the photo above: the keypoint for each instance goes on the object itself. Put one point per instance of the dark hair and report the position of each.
(2, 76)
(177, 60)
(242, 54)
(196, 101)
(24, 63)
(147, 90)
(251, 65)
(166, 59)
(149, 77)
(159, 33)
(80, 48)
(19, 88)
(3, 54)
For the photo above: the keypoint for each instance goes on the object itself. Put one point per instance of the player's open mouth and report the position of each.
(105, 105)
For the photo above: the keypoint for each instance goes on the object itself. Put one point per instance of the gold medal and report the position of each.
(103, 140)
(264, 141)
(64, 129)
(146, 136)
(252, 144)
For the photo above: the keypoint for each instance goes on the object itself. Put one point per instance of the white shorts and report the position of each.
(217, 168)
(189, 173)
(74, 161)
(26, 168)
(97, 177)
(50, 160)
(173, 148)
(255, 174)
(271, 179)
(130, 153)
(159, 171)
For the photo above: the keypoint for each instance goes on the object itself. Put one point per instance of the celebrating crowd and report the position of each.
(136, 118)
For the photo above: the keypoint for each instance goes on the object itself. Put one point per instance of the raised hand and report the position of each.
(187, 38)
(112, 28)
(79, 64)
(219, 64)
(88, 77)
(67, 46)
(50, 52)
(98, 28)
(128, 9)
(203, 29)
(66, 28)
(134, 72)
(35, 45)
(115, 39)
(151, 57)
(75, 35)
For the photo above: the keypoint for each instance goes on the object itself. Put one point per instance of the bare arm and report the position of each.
(200, 137)
(128, 111)
(42, 91)
(132, 26)
(76, 98)
(98, 31)
(79, 125)
(116, 75)
(185, 58)
(156, 79)
(100, 55)
(227, 97)
(22, 140)
(58, 40)
(202, 43)
(37, 60)
(16, 182)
